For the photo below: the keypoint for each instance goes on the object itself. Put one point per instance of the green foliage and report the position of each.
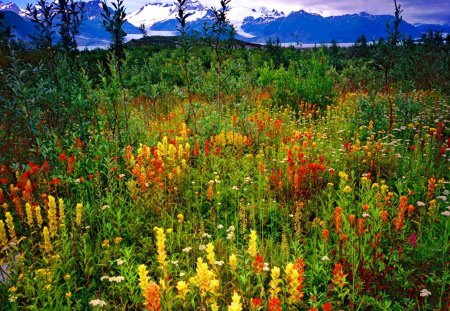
(113, 23)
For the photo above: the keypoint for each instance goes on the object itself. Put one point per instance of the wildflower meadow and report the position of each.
(231, 179)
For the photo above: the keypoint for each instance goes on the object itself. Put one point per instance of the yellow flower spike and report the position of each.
(62, 217)
(275, 280)
(39, 220)
(10, 225)
(79, 209)
(204, 279)
(233, 261)
(161, 247)
(3, 238)
(347, 189)
(235, 303)
(47, 243)
(252, 244)
(143, 279)
(183, 289)
(52, 218)
(29, 212)
(211, 255)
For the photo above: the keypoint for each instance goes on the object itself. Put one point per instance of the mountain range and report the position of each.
(252, 23)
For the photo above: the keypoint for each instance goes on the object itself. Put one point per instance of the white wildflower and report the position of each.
(202, 247)
(116, 279)
(97, 303)
(420, 204)
(187, 249)
(325, 258)
(120, 261)
(446, 213)
(425, 292)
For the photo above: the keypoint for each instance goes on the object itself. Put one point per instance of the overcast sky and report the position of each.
(415, 11)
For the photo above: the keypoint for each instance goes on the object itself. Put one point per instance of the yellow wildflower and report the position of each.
(347, 189)
(3, 238)
(62, 217)
(10, 225)
(79, 209)
(52, 218)
(343, 176)
(47, 243)
(275, 275)
(236, 304)
(143, 279)
(252, 244)
(161, 247)
(233, 260)
(39, 220)
(29, 212)
(180, 218)
(183, 289)
(211, 256)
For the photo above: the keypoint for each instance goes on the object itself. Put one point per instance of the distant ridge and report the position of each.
(253, 23)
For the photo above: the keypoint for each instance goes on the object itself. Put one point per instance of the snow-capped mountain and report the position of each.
(252, 23)
(155, 11)
(161, 16)
(12, 7)
(91, 31)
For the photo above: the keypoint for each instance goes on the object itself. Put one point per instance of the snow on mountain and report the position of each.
(12, 7)
(239, 15)
(156, 11)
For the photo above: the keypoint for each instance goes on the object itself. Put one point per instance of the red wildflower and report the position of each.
(207, 149)
(326, 306)
(46, 167)
(338, 275)
(3, 181)
(360, 227)
(256, 302)
(274, 304)
(70, 164)
(259, 263)
(62, 157)
(325, 235)
(56, 181)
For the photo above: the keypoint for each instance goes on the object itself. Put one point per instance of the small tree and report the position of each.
(71, 17)
(185, 46)
(113, 23)
(219, 30)
(386, 56)
(42, 16)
